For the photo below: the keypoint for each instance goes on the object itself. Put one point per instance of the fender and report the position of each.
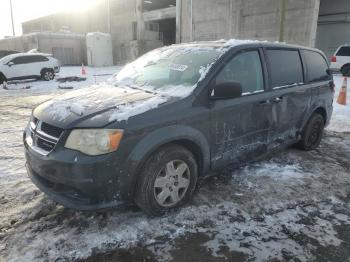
(341, 69)
(315, 108)
(45, 68)
(154, 140)
(2, 77)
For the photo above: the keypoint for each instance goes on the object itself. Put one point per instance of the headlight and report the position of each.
(94, 142)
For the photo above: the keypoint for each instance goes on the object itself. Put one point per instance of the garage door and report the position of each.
(64, 55)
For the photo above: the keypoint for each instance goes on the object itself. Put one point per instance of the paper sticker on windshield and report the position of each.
(178, 67)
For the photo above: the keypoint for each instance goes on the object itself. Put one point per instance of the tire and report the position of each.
(167, 181)
(47, 74)
(2, 79)
(312, 133)
(346, 70)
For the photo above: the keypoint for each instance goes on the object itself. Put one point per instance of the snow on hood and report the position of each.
(123, 101)
(92, 100)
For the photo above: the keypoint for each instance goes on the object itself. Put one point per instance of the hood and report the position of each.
(100, 103)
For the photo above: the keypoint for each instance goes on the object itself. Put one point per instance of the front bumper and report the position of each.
(69, 197)
(77, 181)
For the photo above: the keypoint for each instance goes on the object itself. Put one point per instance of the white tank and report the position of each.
(99, 49)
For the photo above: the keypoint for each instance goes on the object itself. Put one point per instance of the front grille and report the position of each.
(44, 136)
(45, 145)
(51, 130)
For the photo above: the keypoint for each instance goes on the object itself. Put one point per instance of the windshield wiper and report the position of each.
(138, 88)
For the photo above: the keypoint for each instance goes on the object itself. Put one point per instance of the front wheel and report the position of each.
(167, 180)
(312, 133)
(47, 74)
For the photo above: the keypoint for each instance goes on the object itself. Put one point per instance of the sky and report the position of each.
(24, 10)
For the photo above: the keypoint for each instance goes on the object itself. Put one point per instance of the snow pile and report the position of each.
(236, 42)
(340, 121)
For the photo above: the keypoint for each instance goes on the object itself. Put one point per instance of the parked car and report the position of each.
(341, 60)
(28, 66)
(174, 115)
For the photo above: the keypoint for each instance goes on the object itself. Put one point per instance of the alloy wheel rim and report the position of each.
(48, 75)
(172, 183)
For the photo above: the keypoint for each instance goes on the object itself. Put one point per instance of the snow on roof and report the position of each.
(98, 34)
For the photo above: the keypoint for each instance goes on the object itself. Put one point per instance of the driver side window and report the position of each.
(246, 69)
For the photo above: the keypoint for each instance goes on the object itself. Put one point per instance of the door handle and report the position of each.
(264, 102)
(277, 100)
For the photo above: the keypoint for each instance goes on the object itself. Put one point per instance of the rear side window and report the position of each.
(344, 51)
(39, 58)
(29, 59)
(285, 67)
(316, 66)
(36, 59)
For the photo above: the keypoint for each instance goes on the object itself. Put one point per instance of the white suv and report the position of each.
(341, 60)
(28, 66)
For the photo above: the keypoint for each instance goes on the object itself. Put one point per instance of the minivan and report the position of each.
(173, 116)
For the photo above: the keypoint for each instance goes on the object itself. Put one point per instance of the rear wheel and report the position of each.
(47, 74)
(346, 70)
(167, 180)
(313, 132)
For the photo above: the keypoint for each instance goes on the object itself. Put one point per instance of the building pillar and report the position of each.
(140, 22)
(314, 23)
(178, 21)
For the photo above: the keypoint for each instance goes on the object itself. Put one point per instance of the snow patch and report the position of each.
(124, 112)
(340, 121)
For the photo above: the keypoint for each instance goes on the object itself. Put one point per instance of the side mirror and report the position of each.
(227, 90)
(10, 64)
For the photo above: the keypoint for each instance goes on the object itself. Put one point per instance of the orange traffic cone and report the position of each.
(83, 72)
(342, 94)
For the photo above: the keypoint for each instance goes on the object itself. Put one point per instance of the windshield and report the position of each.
(169, 67)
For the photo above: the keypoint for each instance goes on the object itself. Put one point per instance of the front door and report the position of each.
(240, 126)
(18, 68)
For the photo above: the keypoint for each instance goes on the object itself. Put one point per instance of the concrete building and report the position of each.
(138, 26)
(92, 20)
(292, 21)
(321, 23)
(333, 25)
(68, 48)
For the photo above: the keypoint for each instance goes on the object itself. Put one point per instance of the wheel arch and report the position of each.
(345, 65)
(189, 138)
(2, 75)
(44, 69)
(319, 110)
(322, 111)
